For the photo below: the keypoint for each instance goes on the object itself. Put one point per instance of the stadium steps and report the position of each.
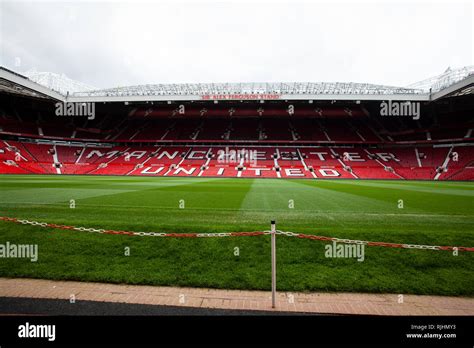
(33, 157)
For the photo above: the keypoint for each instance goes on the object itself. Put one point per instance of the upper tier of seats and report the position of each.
(258, 124)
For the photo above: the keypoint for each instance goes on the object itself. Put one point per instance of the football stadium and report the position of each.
(222, 171)
(160, 170)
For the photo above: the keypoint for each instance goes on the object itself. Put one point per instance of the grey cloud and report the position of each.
(110, 44)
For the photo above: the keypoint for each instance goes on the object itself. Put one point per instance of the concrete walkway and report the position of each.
(328, 303)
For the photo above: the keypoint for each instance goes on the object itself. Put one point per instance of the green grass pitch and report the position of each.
(433, 213)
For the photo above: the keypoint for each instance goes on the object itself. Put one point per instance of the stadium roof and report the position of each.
(255, 88)
(446, 79)
(14, 83)
(62, 88)
(56, 82)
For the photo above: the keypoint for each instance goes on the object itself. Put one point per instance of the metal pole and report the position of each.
(273, 263)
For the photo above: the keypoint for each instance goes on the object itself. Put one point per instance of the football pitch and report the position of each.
(411, 212)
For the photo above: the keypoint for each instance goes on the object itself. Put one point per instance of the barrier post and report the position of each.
(273, 234)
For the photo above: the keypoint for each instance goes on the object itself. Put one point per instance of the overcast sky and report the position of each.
(108, 44)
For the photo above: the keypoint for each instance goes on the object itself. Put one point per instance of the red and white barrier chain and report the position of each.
(129, 233)
(237, 234)
(368, 243)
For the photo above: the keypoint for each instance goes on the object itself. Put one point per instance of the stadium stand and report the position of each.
(343, 146)
(313, 139)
